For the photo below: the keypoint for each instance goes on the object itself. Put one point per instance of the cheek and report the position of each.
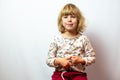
(63, 23)
(75, 24)
(75, 21)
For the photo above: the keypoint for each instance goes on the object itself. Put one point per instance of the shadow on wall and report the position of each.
(98, 71)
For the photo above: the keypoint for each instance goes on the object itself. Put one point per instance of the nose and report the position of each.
(69, 18)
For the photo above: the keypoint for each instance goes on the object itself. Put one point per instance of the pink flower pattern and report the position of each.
(64, 47)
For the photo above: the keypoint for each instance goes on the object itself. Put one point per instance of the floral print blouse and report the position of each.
(64, 47)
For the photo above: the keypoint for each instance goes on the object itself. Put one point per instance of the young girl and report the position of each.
(70, 51)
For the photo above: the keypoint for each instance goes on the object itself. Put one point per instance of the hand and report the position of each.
(77, 60)
(64, 62)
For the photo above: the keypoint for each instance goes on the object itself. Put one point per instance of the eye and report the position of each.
(64, 16)
(73, 16)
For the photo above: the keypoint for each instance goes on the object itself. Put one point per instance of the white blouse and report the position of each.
(64, 47)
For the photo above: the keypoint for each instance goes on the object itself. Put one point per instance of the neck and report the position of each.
(70, 34)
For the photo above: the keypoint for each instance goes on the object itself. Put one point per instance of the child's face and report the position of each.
(70, 22)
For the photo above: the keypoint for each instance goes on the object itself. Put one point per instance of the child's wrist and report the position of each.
(57, 61)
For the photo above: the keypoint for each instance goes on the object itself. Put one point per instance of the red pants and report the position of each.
(69, 76)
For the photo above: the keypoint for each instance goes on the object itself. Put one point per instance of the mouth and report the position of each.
(70, 24)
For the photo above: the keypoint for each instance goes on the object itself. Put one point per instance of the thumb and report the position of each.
(69, 57)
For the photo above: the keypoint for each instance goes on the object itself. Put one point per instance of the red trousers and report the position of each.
(69, 76)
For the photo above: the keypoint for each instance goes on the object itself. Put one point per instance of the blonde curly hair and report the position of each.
(71, 9)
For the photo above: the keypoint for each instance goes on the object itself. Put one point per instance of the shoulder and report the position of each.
(83, 37)
(56, 37)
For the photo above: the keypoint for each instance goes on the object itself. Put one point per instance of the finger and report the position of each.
(66, 66)
(69, 57)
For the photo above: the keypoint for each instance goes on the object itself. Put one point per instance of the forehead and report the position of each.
(69, 11)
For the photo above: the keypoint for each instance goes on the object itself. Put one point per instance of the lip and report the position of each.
(69, 24)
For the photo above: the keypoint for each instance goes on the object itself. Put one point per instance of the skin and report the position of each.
(70, 24)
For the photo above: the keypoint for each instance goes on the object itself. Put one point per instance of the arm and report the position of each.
(52, 54)
(89, 55)
(53, 60)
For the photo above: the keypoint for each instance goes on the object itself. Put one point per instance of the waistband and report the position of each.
(68, 70)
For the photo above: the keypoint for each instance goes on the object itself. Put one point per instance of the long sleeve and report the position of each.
(65, 47)
(89, 56)
(51, 54)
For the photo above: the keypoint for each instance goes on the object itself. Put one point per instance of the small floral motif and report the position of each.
(63, 47)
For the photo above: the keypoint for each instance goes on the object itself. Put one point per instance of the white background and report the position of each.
(27, 26)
